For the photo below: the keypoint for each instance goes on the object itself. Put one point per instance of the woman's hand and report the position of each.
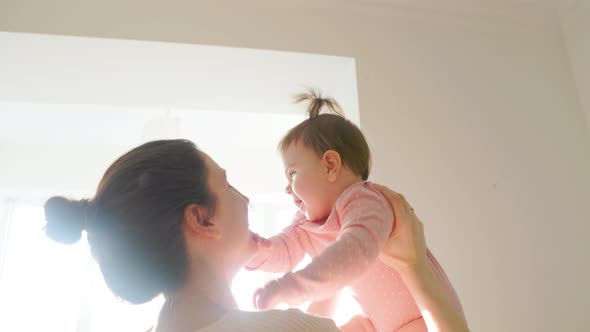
(405, 251)
(406, 247)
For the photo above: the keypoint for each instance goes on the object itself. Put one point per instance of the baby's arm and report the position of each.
(366, 223)
(282, 252)
(324, 308)
(358, 323)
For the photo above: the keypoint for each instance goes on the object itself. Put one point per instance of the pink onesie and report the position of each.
(345, 250)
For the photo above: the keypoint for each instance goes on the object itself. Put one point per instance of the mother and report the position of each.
(164, 220)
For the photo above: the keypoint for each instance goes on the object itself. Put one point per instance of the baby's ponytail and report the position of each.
(317, 103)
(323, 131)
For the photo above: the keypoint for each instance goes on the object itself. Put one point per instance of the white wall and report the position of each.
(472, 113)
(575, 18)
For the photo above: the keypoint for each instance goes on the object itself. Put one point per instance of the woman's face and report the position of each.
(235, 244)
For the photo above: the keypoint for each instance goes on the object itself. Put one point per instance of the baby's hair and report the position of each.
(317, 103)
(330, 131)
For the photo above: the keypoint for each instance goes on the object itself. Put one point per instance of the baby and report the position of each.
(342, 222)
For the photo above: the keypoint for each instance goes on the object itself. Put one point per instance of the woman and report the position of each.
(164, 220)
(405, 251)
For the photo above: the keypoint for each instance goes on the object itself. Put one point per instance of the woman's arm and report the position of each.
(437, 310)
(405, 251)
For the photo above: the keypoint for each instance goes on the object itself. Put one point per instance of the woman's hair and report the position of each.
(329, 131)
(134, 222)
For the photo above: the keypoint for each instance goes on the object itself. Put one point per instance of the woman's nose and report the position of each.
(246, 198)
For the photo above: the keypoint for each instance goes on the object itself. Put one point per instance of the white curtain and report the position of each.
(6, 207)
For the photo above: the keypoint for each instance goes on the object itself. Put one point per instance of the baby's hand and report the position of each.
(262, 243)
(267, 297)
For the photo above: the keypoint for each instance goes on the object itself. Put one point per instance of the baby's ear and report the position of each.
(332, 165)
(198, 222)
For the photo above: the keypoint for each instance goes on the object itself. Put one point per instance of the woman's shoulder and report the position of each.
(271, 320)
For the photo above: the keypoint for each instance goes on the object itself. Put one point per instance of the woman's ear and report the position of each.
(198, 222)
(332, 164)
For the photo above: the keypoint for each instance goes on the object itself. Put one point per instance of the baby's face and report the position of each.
(307, 181)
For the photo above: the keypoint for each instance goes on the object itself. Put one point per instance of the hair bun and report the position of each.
(65, 219)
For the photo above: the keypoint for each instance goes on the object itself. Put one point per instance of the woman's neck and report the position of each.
(207, 285)
(203, 300)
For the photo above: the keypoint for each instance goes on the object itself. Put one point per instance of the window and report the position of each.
(50, 281)
(72, 105)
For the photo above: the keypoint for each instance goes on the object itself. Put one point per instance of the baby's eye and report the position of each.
(291, 173)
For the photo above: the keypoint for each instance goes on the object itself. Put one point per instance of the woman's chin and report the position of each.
(251, 246)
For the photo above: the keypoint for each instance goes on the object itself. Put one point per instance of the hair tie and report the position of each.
(90, 211)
